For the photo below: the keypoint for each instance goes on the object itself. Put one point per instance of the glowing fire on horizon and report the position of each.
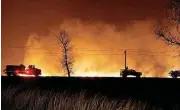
(25, 75)
(104, 38)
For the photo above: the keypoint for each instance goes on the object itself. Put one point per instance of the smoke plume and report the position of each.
(99, 49)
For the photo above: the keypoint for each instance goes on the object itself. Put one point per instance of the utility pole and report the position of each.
(125, 58)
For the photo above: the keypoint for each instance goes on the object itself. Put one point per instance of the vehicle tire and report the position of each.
(8, 74)
(14, 74)
(173, 76)
(124, 76)
(138, 76)
(37, 75)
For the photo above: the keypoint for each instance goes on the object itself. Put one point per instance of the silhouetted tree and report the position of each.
(66, 49)
(169, 30)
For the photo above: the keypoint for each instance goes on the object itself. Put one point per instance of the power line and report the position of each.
(79, 49)
(131, 52)
(95, 54)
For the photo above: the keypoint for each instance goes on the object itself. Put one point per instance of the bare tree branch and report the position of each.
(66, 49)
(169, 31)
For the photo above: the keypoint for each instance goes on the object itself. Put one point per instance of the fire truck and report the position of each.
(18, 70)
(126, 72)
(174, 74)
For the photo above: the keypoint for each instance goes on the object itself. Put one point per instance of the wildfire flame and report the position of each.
(25, 75)
(99, 50)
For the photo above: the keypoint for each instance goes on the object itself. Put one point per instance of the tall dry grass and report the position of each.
(21, 98)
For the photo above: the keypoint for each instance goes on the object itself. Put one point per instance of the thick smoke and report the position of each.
(93, 42)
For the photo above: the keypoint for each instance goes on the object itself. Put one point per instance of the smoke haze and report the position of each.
(97, 28)
(99, 49)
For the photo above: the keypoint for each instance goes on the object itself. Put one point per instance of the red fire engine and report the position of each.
(21, 70)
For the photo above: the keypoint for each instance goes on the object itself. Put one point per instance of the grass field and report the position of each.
(57, 94)
(35, 99)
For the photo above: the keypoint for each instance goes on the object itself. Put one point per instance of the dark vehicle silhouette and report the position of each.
(33, 71)
(17, 70)
(14, 70)
(126, 72)
(174, 74)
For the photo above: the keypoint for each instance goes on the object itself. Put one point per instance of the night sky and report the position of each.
(21, 17)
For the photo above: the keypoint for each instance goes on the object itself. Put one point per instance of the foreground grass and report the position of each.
(20, 98)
